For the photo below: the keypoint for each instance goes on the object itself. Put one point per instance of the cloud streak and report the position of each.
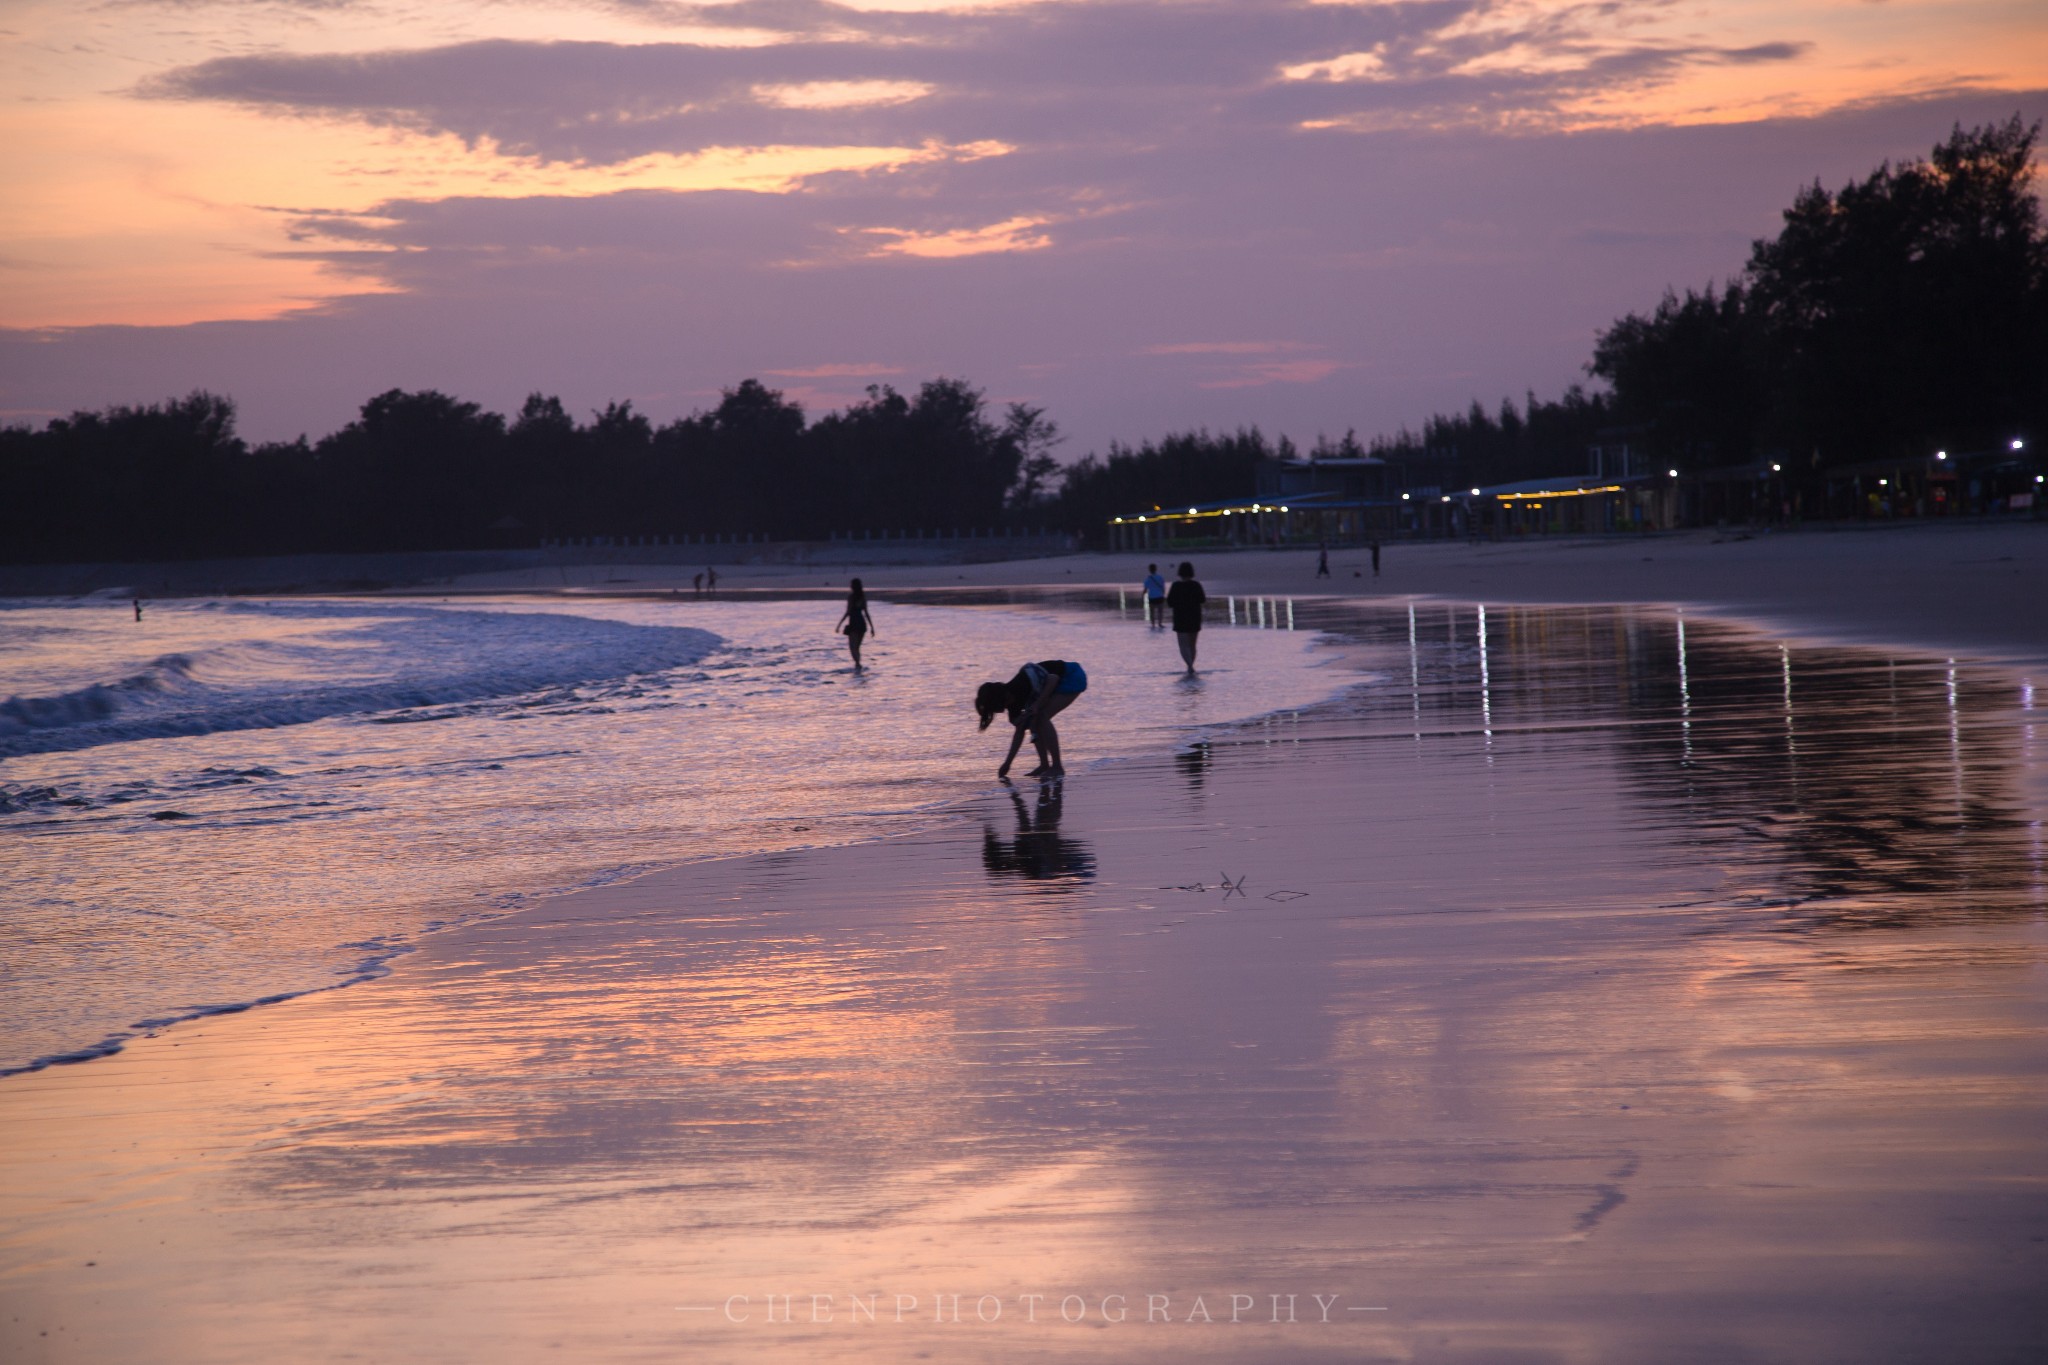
(1070, 73)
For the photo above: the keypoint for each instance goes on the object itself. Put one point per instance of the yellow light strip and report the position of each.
(1566, 493)
(1192, 515)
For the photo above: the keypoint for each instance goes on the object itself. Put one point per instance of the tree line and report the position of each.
(1905, 313)
(423, 470)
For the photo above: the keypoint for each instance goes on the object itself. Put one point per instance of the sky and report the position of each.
(1141, 215)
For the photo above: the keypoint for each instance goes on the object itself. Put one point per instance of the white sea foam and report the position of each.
(340, 660)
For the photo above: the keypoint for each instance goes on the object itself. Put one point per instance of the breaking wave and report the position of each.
(367, 661)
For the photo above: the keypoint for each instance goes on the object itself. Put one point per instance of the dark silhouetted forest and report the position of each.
(1905, 312)
(420, 471)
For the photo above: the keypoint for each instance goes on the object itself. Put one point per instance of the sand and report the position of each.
(1577, 991)
(1971, 588)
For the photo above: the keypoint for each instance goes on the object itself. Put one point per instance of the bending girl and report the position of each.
(1039, 692)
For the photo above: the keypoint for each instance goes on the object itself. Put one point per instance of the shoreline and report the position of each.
(1957, 587)
(1949, 589)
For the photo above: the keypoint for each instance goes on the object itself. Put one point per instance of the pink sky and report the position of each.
(1141, 214)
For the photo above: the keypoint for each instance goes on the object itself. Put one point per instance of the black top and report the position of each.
(1024, 688)
(1184, 599)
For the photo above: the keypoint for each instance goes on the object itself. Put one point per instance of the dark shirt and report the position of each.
(1024, 687)
(1184, 599)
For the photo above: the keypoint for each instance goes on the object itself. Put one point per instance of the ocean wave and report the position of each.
(329, 661)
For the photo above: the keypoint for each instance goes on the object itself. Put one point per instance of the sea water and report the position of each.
(231, 802)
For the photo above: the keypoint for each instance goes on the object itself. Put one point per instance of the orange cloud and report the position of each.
(1012, 234)
(1225, 348)
(835, 371)
(1279, 372)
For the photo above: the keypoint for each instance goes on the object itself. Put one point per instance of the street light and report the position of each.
(1674, 473)
(2018, 444)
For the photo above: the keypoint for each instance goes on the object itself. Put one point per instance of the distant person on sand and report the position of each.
(1039, 692)
(1184, 599)
(1155, 596)
(1323, 560)
(711, 580)
(855, 621)
(1375, 558)
(697, 584)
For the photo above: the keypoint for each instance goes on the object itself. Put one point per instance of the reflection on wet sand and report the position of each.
(1038, 852)
(1517, 1007)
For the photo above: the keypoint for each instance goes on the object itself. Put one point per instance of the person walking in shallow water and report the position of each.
(1155, 597)
(855, 621)
(1184, 599)
(1031, 699)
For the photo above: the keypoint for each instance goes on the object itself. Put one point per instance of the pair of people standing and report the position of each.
(1183, 601)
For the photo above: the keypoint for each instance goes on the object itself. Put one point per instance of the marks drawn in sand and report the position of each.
(1231, 888)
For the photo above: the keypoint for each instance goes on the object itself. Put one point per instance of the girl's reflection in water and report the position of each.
(1039, 853)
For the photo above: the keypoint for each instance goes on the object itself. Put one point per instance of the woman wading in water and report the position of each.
(855, 621)
(1039, 692)
(1185, 599)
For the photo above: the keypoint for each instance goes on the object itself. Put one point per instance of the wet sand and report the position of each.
(1586, 987)
(1963, 587)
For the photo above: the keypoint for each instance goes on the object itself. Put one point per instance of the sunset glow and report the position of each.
(176, 163)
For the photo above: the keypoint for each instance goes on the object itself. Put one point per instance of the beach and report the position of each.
(1615, 963)
(1953, 587)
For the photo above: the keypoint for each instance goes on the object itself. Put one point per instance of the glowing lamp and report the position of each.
(1674, 473)
(2018, 444)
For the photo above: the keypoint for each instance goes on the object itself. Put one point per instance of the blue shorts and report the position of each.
(1074, 680)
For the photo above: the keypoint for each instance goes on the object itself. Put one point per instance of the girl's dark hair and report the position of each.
(857, 589)
(1187, 569)
(990, 700)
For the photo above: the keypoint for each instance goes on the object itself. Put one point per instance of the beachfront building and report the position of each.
(1336, 500)
(1574, 504)
(2002, 481)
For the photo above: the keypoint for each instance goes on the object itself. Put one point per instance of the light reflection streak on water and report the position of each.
(1485, 681)
(1414, 674)
(1684, 693)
